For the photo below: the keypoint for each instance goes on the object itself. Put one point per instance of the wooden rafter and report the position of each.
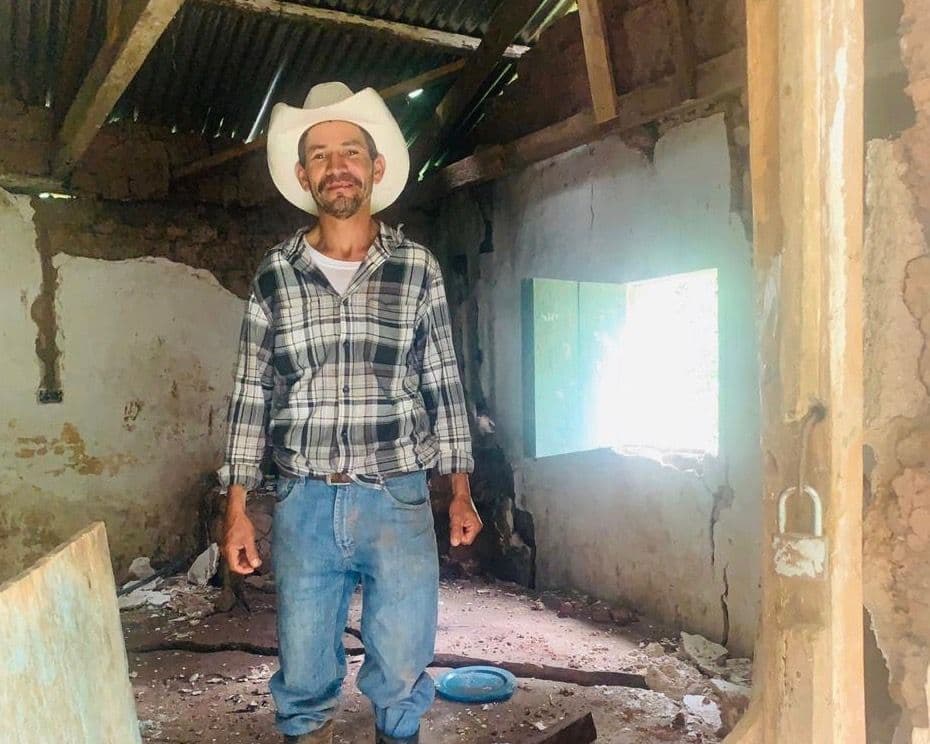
(114, 10)
(682, 42)
(444, 40)
(141, 24)
(716, 78)
(598, 59)
(421, 81)
(68, 79)
(505, 23)
(392, 91)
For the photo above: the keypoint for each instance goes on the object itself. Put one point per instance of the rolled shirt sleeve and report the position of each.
(253, 388)
(440, 384)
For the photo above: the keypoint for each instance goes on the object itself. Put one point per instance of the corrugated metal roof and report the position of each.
(217, 69)
(214, 67)
(32, 43)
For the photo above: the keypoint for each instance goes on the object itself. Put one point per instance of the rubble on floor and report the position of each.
(204, 567)
(203, 676)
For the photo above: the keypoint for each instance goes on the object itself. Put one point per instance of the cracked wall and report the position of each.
(897, 426)
(897, 388)
(134, 310)
(676, 539)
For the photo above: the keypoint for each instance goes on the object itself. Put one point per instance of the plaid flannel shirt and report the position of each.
(364, 383)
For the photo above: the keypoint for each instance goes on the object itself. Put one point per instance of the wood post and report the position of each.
(805, 78)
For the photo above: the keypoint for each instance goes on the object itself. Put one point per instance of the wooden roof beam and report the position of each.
(715, 79)
(442, 40)
(598, 60)
(141, 24)
(505, 23)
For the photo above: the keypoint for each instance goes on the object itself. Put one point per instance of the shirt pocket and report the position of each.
(300, 339)
(391, 320)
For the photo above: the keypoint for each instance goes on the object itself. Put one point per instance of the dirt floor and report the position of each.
(201, 676)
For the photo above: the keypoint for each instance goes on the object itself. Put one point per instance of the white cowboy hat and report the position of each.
(336, 102)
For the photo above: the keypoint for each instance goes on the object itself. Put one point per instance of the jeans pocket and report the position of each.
(408, 491)
(283, 488)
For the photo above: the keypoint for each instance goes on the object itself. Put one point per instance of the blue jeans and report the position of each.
(326, 539)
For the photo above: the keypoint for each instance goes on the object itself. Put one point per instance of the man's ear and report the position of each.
(378, 168)
(302, 176)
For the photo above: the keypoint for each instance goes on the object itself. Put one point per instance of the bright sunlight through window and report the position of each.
(628, 366)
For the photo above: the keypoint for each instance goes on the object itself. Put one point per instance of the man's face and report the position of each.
(338, 169)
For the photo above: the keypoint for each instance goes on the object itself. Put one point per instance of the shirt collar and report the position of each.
(387, 239)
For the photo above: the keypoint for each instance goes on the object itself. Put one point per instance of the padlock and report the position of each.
(799, 554)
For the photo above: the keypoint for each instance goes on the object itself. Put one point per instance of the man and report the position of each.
(346, 364)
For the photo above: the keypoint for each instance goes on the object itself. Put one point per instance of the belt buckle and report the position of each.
(337, 479)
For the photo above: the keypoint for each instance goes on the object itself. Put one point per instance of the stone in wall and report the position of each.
(126, 161)
(244, 181)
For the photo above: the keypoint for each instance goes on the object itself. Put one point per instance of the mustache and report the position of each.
(325, 183)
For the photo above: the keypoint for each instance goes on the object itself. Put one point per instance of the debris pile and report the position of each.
(699, 674)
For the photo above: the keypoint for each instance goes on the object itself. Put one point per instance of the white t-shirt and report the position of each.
(339, 273)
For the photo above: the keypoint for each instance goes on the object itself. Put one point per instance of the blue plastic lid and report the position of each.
(476, 684)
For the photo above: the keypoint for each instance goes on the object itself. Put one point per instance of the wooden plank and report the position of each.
(141, 25)
(28, 184)
(421, 81)
(444, 40)
(580, 731)
(505, 23)
(114, 10)
(223, 156)
(392, 91)
(64, 676)
(70, 67)
(806, 151)
(6, 41)
(598, 59)
(716, 78)
(24, 14)
(683, 52)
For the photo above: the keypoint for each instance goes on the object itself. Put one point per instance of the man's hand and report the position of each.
(464, 522)
(239, 538)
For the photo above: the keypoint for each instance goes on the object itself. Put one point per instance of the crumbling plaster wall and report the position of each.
(127, 303)
(897, 426)
(897, 387)
(674, 542)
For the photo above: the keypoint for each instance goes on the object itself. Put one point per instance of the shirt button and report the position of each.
(345, 388)
(345, 345)
(345, 436)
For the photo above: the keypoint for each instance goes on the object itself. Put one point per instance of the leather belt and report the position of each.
(343, 478)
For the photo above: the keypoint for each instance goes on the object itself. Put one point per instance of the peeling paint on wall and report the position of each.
(146, 349)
